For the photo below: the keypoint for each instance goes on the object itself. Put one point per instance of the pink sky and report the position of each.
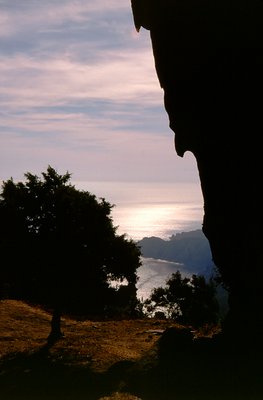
(79, 92)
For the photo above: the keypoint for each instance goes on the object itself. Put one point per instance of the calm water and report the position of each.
(151, 209)
(154, 273)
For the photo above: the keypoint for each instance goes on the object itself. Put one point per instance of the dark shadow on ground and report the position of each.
(201, 369)
(179, 368)
(37, 376)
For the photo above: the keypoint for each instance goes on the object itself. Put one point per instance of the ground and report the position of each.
(25, 328)
(95, 345)
(144, 359)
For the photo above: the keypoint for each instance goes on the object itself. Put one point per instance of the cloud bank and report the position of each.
(79, 92)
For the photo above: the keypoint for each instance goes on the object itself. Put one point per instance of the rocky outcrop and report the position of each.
(190, 249)
(209, 62)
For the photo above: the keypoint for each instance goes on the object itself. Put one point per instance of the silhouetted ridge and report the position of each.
(189, 248)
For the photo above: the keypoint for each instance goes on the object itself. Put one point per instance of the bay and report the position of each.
(154, 273)
(144, 209)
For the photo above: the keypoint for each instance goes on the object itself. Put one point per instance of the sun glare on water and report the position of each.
(160, 220)
(151, 209)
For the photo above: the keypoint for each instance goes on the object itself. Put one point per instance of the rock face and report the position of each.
(190, 249)
(209, 62)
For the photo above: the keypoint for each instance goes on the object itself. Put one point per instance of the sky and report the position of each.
(79, 92)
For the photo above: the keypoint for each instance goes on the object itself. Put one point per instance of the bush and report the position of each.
(191, 301)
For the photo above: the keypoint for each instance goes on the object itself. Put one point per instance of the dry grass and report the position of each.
(101, 343)
(22, 328)
(94, 346)
(120, 396)
(116, 360)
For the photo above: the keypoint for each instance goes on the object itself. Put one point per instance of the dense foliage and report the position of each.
(190, 301)
(59, 247)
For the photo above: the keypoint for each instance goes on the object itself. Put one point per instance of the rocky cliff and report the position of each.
(191, 249)
(209, 62)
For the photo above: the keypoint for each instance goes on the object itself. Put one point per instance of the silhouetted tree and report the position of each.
(120, 268)
(59, 247)
(187, 300)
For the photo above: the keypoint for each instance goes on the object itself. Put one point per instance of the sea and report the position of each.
(145, 209)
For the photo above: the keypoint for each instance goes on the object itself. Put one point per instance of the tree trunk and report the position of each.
(55, 333)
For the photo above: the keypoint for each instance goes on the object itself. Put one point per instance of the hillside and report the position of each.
(89, 359)
(24, 328)
(189, 248)
(118, 360)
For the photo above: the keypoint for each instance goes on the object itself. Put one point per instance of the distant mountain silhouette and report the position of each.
(189, 248)
(192, 251)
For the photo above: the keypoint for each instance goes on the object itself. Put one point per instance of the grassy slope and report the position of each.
(89, 349)
(117, 360)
